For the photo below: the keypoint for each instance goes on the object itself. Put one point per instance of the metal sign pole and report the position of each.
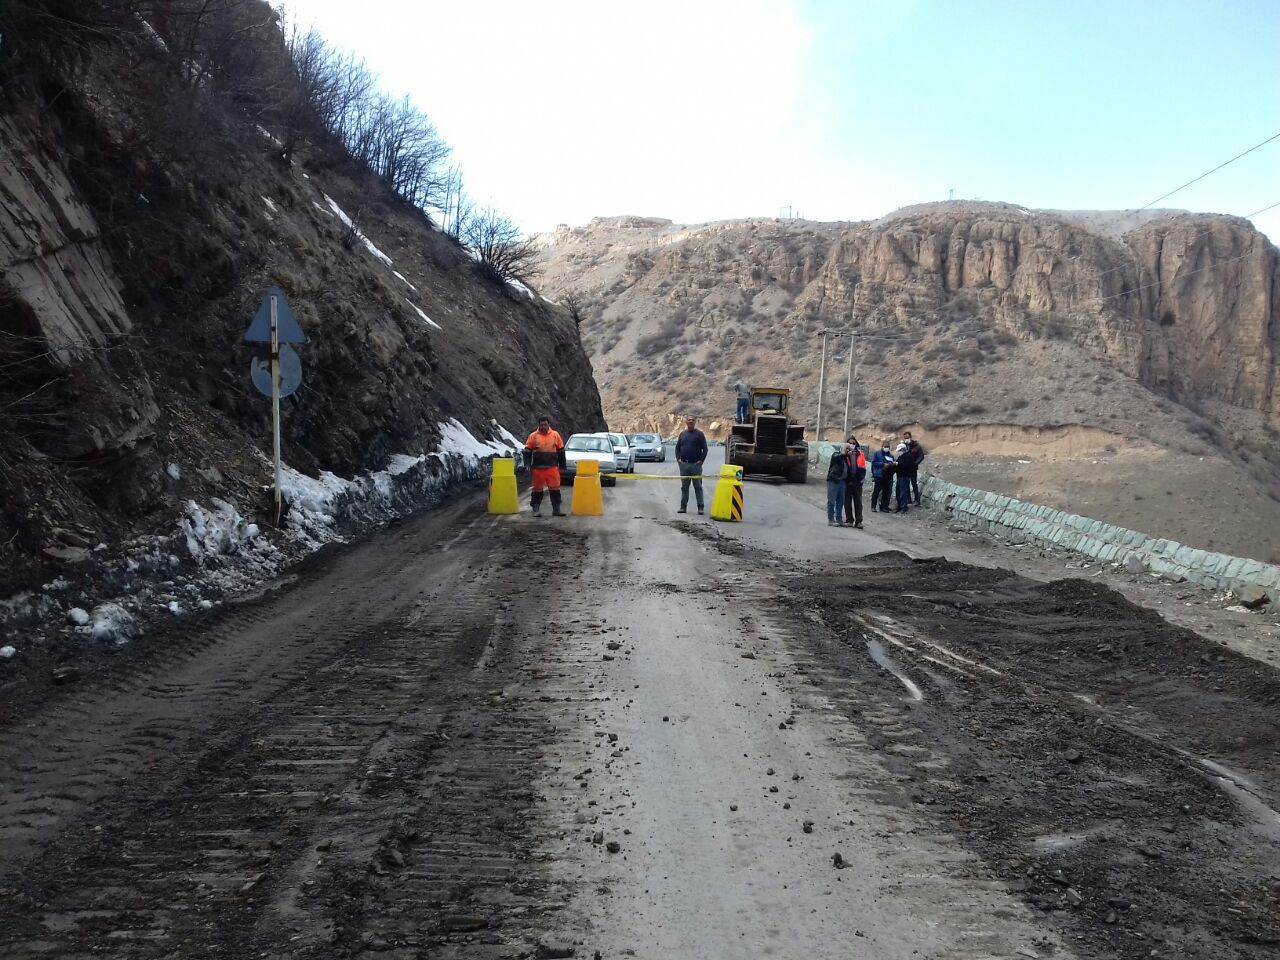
(822, 384)
(275, 400)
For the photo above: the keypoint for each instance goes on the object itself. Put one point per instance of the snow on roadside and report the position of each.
(350, 225)
(421, 314)
(400, 276)
(215, 553)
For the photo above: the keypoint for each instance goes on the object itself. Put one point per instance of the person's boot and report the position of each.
(555, 504)
(699, 509)
(683, 509)
(535, 501)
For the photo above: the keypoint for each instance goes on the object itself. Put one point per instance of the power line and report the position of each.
(1275, 136)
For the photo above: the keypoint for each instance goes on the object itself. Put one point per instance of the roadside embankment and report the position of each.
(1022, 522)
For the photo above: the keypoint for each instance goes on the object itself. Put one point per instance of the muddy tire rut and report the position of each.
(1119, 773)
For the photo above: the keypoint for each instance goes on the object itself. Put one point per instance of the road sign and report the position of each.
(281, 374)
(290, 372)
(287, 328)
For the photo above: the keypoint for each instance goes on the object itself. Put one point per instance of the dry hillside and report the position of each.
(1126, 365)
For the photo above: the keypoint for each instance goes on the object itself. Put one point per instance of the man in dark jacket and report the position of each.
(691, 451)
(837, 476)
(907, 464)
(917, 455)
(882, 468)
(853, 485)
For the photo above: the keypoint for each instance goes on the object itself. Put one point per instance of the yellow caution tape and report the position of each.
(656, 476)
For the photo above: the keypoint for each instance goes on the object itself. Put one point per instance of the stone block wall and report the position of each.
(1020, 522)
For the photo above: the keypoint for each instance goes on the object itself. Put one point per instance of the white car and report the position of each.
(622, 452)
(648, 446)
(590, 446)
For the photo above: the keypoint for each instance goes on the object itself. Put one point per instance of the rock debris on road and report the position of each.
(649, 736)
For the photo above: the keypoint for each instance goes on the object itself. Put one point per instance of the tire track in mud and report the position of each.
(373, 801)
(1059, 733)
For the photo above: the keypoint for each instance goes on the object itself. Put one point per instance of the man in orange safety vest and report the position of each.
(544, 454)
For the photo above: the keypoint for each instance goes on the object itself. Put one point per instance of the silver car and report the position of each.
(622, 452)
(590, 446)
(648, 446)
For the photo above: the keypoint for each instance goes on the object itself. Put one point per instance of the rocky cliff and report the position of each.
(1158, 327)
(142, 218)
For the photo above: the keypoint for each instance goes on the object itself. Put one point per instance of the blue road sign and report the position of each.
(287, 327)
(290, 372)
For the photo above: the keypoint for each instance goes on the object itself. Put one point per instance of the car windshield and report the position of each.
(643, 438)
(618, 439)
(591, 444)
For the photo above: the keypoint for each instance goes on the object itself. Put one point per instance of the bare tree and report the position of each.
(576, 306)
(499, 247)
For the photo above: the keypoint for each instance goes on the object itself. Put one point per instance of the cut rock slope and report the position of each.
(141, 222)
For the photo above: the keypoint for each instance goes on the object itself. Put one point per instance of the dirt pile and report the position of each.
(144, 211)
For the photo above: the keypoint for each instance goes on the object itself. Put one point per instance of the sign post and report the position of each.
(275, 401)
(276, 325)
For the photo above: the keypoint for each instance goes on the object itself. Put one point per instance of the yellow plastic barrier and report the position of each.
(503, 497)
(727, 502)
(587, 498)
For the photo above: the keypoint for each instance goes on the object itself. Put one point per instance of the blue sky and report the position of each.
(713, 109)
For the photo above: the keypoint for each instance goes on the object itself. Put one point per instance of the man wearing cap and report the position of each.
(691, 451)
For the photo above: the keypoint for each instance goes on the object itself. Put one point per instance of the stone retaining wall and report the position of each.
(1022, 522)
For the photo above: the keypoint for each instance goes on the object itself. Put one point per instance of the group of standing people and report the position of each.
(893, 471)
(896, 474)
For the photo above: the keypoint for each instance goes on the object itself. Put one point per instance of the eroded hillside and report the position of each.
(144, 211)
(1161, 330)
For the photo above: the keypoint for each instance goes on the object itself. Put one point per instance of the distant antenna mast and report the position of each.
(951, 194)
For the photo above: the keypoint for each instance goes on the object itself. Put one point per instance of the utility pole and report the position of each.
(848, 388)
(275, 400)
(822, 383)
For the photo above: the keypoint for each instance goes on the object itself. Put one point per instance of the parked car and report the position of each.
(590, 446)
(648, 446)
(622, 452)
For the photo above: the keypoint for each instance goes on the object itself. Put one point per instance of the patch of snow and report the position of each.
(350, 225)
(53, 586)
(206, 604)
(175, 608)
(112, 623)
(217, 532)
(517, 285)
(78, 616)
(400, 463)
(400, 276)
(421, 314)
(271, 208)
(7, 652)
(457, 439)
(156, 40)
(327, 213)
(173, 472)
(269, 135)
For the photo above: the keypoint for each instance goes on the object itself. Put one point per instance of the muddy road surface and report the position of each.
(649, 735)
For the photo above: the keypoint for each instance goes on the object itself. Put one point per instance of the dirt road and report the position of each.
(653, 736)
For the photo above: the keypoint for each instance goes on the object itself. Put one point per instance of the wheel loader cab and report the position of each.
(770, 444)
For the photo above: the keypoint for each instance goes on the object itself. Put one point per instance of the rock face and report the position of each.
(1188, 305)
(141, 221)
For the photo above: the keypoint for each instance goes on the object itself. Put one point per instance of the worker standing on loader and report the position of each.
(544, 454)
(743, 412)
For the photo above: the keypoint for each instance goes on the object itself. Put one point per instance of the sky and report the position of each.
(701, 110)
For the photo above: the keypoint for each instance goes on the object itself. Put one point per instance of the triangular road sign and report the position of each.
(287, 328)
